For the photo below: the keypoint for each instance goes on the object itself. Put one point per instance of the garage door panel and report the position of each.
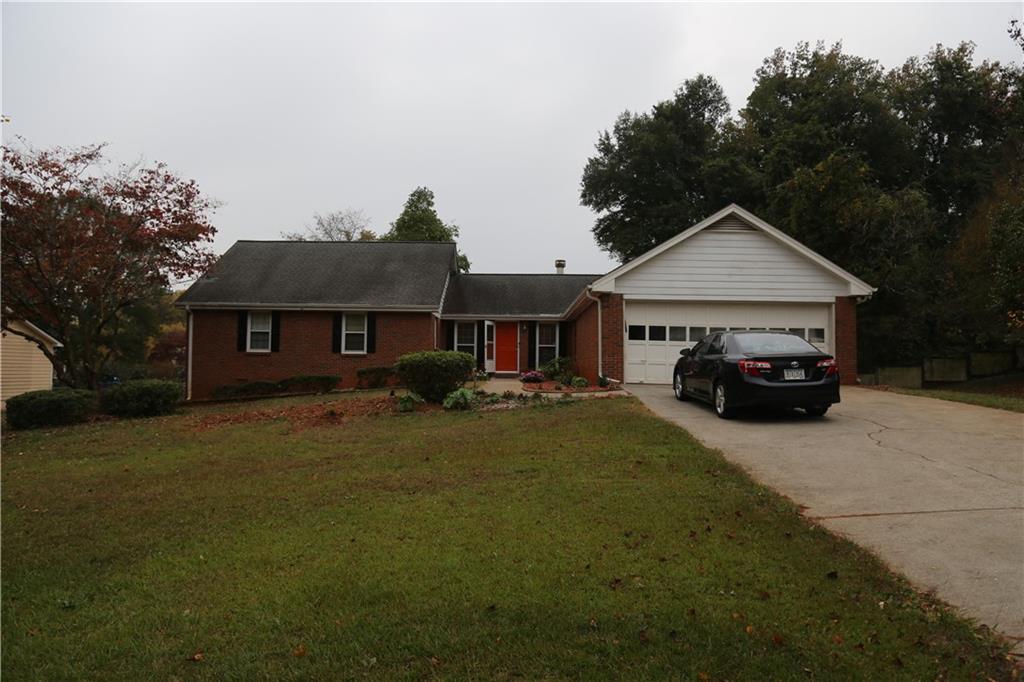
(651, 360)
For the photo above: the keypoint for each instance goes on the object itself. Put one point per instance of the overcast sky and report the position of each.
(281, 111)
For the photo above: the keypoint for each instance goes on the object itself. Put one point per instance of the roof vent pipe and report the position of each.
(560, 266)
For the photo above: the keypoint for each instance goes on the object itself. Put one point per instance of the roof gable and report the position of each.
(377, 275)
(734, 219)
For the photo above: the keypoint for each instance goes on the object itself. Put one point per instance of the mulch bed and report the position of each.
(555, 387)
(315, 414)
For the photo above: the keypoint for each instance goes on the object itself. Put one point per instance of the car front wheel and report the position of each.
(722, 408)
(677, 387)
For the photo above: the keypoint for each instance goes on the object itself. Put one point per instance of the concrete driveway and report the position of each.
(935, 488)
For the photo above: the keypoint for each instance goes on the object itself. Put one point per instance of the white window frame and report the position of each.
(345, 332)
(546, 345)
(455, 341)
(249, 330)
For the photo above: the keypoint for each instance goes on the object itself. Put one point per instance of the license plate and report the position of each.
(789, 374)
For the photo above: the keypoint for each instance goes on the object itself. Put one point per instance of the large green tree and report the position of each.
(647, 181)
(419, 221)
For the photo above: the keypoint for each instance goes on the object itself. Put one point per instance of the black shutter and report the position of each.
(243, 328)
(371, 332)
(275, 331)
(336, 333)
(449, 332)
(531, 352)
(563, 339)
(480, 344)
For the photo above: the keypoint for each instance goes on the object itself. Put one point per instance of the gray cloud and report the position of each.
(281, 111)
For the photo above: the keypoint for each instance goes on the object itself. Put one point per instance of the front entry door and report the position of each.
(488, 346)
(507, 347)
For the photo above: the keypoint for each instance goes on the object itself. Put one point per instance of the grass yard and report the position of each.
(1003, 393)
(583, 540)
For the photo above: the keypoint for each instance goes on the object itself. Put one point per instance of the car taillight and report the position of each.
(754, 367)
(829, 365)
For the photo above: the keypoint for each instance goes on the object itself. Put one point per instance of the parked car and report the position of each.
(739, 369)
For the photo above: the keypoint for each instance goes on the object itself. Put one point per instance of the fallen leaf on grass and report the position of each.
(196, 657)
(299, 651)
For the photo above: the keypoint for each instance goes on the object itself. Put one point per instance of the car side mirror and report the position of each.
(684, 352)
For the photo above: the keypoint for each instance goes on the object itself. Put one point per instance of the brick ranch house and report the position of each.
(269, 310)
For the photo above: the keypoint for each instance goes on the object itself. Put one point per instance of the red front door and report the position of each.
(506, 334)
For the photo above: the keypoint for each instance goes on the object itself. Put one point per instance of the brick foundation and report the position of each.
(846, 338)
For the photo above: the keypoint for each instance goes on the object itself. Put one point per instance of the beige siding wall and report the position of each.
(23, 367)
(729, 261)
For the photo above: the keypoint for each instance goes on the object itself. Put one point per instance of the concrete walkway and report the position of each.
(935, 488)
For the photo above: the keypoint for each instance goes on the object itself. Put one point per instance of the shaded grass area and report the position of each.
(1003, 393)
(587, 539)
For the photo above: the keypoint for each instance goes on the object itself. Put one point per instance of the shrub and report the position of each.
(492, 399)
(459, 399)
(246, 390)
(434, 374)
(142, 398)
(374, 377)
(558, 369)
(37, 409)
(408, 402)
(510, 395)
(579, 382)
(602, 381)
(312, 383)
(532, 377)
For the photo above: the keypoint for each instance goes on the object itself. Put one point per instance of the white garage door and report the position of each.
(656, 332)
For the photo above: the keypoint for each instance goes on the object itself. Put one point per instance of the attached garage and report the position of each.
(731, 271)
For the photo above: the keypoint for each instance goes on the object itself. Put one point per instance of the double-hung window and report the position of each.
(547, 343)
(465, 337)
(259, 332)
(353, 333)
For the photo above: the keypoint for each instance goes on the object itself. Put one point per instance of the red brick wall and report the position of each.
(305, 348)
(583, 344)
(846, 338)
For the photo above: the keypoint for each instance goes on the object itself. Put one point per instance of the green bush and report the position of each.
(434, 374)
(37, 409)
(459, 399)
(310, 383)
(247, 390)
(558, 369)
(408, 402)
(141, 398)
(374, 377)
(579, 382)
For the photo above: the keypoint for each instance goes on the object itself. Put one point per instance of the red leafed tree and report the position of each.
(83, 244)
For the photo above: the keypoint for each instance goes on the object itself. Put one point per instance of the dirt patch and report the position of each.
(555, 387)
(302, 416)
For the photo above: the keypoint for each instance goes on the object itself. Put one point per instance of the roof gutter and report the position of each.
(304, 307)
(600, 327)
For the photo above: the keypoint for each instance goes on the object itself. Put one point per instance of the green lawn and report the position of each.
(1003, 393)
(583, 540)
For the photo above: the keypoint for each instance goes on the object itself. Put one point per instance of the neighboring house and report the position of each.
(270, 310)
(23, 366)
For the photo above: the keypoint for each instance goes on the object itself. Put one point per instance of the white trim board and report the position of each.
(857, 287)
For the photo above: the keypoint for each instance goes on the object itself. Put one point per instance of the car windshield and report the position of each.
(773, 343)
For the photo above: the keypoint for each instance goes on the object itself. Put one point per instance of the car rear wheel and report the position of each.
(816, 410)
(722, 408)
(677, 386)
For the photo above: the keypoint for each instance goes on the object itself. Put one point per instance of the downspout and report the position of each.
(600, 330)
(188, 362)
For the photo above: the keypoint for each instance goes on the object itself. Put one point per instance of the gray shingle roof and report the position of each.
(372, 274)
(513, 295)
